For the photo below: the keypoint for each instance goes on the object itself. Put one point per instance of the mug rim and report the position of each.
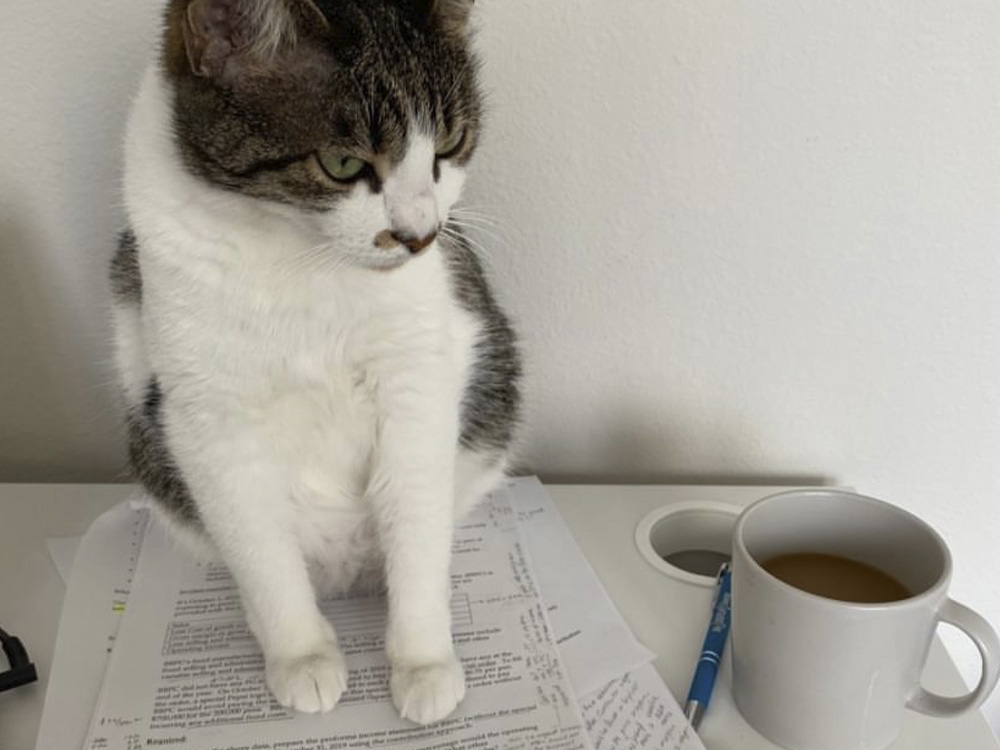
(933, 591)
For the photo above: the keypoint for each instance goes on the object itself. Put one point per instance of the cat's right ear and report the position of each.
(223, 36)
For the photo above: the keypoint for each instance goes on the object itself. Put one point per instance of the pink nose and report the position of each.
(413, 243)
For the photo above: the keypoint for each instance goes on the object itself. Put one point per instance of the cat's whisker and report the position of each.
(488, 231)
(471, 214)
(477, 244)
(319, 255)
(475, 208)
(461, 224)
(477, 247)
(305, 257)
(467, 221)
(474, 216)
(469, 208)
(477, 223)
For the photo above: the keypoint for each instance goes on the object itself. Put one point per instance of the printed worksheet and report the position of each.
(595, 643)
(187, 674)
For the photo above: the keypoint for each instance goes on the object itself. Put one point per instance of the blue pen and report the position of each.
(711, 651)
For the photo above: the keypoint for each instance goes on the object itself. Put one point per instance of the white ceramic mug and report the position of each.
(811, 673)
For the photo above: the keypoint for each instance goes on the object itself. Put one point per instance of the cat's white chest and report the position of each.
(303, 360)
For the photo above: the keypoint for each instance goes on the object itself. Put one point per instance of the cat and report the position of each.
(318, 379)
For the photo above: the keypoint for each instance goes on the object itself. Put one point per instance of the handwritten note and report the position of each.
(637, 712)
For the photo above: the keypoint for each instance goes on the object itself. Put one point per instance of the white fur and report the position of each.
(409, 191)
(311, 402)
(130, 357)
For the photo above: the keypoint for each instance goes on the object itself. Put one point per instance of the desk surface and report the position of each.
(666, 615)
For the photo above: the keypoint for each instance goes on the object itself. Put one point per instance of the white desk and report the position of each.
(667, 616)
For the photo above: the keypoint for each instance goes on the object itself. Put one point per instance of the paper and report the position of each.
(92, 611)
(62, 550)
(637, 712)
(103, 570)
(595, 642)
(186, 673)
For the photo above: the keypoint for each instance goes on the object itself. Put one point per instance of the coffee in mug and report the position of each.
(836, 577)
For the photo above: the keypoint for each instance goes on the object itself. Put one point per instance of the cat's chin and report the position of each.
(388, 260)
(383, 260)
(388, 264)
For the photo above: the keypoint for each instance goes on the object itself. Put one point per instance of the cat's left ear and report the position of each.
(224, 36)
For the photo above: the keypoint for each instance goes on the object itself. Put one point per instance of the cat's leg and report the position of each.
(242, 500)
(412, 489)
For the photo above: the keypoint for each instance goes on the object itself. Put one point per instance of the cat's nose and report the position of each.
(414, 243)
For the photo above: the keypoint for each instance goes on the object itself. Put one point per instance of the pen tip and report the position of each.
(693, 711)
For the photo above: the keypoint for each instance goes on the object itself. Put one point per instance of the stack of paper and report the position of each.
(549, 662)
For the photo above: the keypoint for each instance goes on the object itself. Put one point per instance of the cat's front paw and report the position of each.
(429, 692)
(311, 682)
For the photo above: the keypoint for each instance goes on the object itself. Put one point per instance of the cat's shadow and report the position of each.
(27, 366)
(45, 433)
(642, 446)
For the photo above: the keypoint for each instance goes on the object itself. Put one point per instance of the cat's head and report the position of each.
(357, 117)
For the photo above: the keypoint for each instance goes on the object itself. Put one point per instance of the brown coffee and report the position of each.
(836, 577)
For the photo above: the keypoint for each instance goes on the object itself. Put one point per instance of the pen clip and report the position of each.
(725, 569)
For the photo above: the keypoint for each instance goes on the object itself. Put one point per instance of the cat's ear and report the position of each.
(451, 15)
(220, 34)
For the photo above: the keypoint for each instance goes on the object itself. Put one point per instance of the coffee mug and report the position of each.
(812, 672)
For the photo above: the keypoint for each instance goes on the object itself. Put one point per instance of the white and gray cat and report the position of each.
(318, 379)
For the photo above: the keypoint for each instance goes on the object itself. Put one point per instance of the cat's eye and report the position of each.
(452, 144)
(340, 166)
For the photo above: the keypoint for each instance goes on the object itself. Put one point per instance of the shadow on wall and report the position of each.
(708, 478)
(42, 436)
(27, 376)
(636, 447)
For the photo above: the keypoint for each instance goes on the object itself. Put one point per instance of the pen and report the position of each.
(711, 651)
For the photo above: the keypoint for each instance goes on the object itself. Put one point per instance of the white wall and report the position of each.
(742, 241)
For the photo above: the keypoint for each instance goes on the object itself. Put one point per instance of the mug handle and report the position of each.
(986, 641)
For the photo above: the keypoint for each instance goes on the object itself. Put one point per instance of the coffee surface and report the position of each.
(836, 577)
